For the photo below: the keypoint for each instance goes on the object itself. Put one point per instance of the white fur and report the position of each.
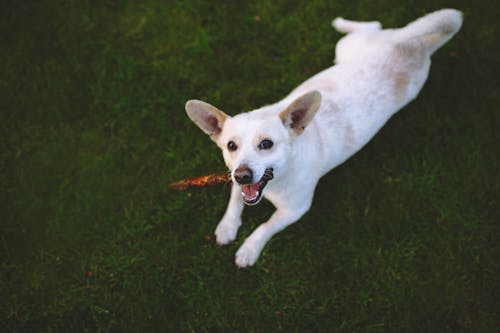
(377, 72)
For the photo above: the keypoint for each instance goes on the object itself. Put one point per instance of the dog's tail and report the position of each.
(433, 29)
(348, 26)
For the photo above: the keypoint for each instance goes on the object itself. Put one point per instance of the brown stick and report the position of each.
(202, 181)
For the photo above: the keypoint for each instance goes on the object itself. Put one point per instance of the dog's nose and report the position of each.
(243, 175)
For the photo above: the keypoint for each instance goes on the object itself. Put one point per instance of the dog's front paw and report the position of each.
(226, 232)
(248, 254)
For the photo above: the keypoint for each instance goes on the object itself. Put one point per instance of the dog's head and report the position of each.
(255, 145)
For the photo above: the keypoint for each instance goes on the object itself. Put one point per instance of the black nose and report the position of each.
(243, 175)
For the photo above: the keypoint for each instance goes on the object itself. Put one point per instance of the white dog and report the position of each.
(280, 151)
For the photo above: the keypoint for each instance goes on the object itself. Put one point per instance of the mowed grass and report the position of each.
(403, 237)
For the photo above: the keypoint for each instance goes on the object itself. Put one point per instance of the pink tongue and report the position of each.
(250, 191)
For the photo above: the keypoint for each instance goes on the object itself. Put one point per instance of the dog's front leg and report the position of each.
(228, 227)
(252, 247)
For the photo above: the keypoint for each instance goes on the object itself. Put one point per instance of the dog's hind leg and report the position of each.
(433, 30)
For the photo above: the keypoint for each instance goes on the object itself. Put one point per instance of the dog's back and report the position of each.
(377, 72)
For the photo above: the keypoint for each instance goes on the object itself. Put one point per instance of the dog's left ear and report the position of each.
(300, 113)
(207, 117)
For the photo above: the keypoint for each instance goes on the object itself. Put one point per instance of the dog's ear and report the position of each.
(207, 117)
(298, 114)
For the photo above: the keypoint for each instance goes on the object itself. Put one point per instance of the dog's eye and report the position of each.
(265, 144)
(231, 146)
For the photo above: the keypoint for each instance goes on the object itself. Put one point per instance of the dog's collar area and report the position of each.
(252, 193)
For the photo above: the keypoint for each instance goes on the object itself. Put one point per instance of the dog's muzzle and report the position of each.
(251, 192)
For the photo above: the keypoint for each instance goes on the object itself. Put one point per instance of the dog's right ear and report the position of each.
(207, 117)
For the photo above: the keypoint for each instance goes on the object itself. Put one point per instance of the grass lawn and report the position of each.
(403, 237)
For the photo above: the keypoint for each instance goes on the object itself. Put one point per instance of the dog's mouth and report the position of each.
(252, 193)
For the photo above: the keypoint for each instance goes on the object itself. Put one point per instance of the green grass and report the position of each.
(401, 238)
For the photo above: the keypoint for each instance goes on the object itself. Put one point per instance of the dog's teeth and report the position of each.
(257, 193)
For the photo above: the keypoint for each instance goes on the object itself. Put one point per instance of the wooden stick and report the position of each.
(202, 181)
